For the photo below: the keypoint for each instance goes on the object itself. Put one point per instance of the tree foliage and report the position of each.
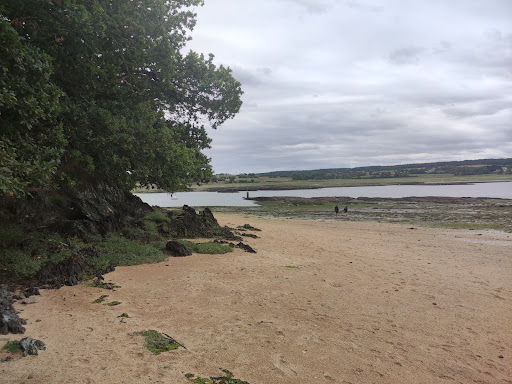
(133, 105)
(31, 139)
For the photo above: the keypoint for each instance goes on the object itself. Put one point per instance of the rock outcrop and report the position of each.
(9, 320)
(95, 210)
(189, 224)
(70, 271)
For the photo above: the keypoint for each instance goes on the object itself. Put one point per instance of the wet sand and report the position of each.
(321, 302)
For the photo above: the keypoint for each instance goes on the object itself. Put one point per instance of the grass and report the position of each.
(113, 303)
(210, 248)
(157, 342)
(226, 379)
(103, 285)
(12, 347)
(100, 299)
(117, 250)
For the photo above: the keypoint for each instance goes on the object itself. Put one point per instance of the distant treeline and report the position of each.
(458, 168)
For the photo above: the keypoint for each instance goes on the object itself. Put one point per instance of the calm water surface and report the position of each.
(216, 199)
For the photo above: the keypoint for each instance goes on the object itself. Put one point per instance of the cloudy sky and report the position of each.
(347, 83)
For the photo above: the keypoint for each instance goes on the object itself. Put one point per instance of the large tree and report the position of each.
(134, 104)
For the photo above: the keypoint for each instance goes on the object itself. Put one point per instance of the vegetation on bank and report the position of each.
(286, 182)
(24, 250)
(485, 170)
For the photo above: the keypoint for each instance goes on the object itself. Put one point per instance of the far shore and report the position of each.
(284, 184)
(348, 185)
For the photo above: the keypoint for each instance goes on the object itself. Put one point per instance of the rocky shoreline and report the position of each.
(444, 212)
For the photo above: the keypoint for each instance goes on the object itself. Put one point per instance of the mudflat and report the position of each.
(320, 302)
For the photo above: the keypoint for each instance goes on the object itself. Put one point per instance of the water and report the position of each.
(216, 199)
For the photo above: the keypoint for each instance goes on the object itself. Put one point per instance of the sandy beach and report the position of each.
(320, 302)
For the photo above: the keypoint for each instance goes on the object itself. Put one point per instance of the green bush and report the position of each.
(11, 235)
(157, 215)
(19, 263)
(151, 229)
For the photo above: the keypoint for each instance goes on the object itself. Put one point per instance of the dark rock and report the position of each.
(248, 227)
(245, 247)
(177, 249)
(101, 209)
(9, 320)
(189, 224)
(251, 235)
(31, 291)
(96, 209)
(70, 271)
(31, 346)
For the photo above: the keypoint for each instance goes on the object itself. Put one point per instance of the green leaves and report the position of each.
(31, 141)
(131, 105)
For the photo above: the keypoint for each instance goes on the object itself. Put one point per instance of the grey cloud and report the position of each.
(477, 109)
(364, 5)
(408, 55)
(250, 77)
(335, 84)
(313, 6)
(443, 47)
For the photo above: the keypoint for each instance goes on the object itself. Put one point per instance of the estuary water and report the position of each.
(501, 190)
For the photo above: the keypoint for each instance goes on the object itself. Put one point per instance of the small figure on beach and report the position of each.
(345, 210)
(336, 209)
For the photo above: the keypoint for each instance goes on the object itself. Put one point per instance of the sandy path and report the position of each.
(358, 309)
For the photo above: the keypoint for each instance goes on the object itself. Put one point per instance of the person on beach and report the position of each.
(345, 210)
(336, 209)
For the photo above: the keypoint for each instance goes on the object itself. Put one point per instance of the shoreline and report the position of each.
(332, 301)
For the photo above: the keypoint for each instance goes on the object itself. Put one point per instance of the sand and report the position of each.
(321, 302)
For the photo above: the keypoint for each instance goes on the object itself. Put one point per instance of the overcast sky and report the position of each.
(347, 83)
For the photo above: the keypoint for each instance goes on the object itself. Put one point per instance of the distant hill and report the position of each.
(465, 167)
